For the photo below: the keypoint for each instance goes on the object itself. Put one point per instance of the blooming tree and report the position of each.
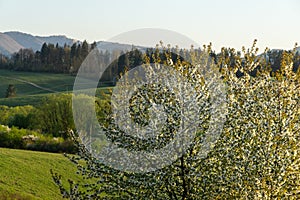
(254, 155)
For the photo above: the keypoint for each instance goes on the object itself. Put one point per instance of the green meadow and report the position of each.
(26, 174)
(33, 87)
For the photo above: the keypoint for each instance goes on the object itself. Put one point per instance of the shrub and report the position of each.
(55, 115)
(19, 116)
(31, 140)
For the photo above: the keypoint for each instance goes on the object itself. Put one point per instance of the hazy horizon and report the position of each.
(224, 23)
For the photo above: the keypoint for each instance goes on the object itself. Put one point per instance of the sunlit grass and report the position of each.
(26, 174)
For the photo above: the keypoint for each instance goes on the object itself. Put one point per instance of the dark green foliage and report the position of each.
(84, 49)
(21, 121)
(32, 140)
(53, 118)
(19, 116)
(3, 60)
(51, 58)
(55, 115)
(12, 138)
(11, 91)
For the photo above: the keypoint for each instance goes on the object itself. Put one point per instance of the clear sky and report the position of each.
(230, 23)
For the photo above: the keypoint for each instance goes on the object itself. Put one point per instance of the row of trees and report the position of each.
(51, 58)
(67, 59)
(23, 127)
(52, 116)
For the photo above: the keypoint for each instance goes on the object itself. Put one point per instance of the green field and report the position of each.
(45, 82)
(33, 87)
(27, 174)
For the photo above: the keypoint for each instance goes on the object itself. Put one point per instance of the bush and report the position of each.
(11, 138)
(54, 145)
(55, 115)
(20, 121)
(31, 140)
(19, 116)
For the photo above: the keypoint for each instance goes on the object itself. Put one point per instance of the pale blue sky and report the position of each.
(275, 23)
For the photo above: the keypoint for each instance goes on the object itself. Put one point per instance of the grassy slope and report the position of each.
(27, 173)
(27, 93)
(57, 82)
(30, 95)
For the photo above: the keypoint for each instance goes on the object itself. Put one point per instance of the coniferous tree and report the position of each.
(93, 45)
(45, 53)
(84, 49)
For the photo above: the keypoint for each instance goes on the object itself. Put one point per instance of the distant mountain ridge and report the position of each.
(8, 45)
(13, 41)
(111, 46)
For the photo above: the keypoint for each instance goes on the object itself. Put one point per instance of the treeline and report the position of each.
(270, 61)
(51, 58)
(67, 59)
